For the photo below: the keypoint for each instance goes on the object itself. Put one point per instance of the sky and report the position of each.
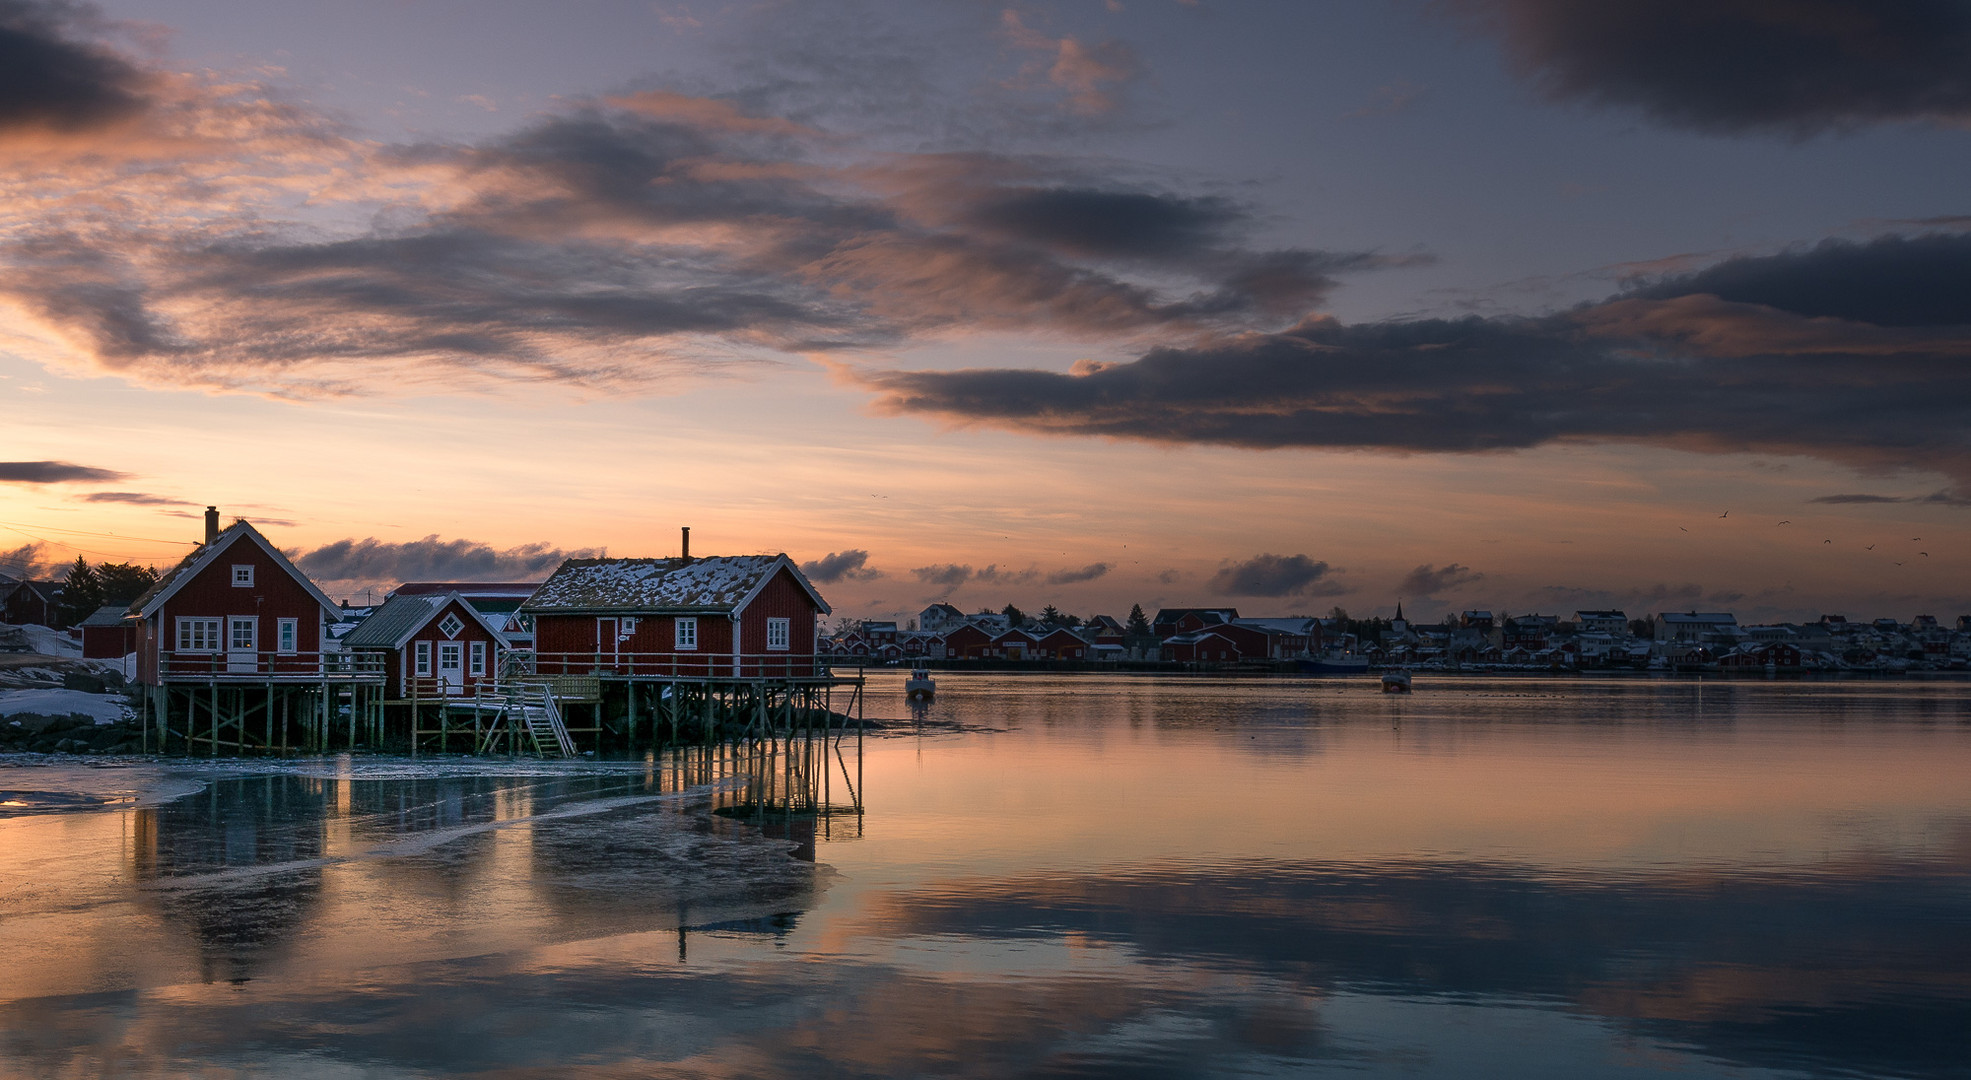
(1524, 305)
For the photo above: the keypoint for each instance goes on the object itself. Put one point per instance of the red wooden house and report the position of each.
(235, 610)
(718, 616)
(107, 635)
(967, 642)
(432, 645)
(1015, 644)
(1061, 643)
(1203, 646)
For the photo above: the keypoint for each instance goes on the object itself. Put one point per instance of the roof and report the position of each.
(391, 625)
(1217, 614)
(1278, 626)
(206, 554)
(1706, 617)
(717, 583)
(519, 590)
(107, 615)
(946, 609)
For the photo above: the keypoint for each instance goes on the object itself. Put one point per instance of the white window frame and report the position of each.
(421, 658)
(455, 652)
(199, 634)
(242, 575)
(685, 633)
(780, 635)
(287, 636)
(478, 661)
(250, 623)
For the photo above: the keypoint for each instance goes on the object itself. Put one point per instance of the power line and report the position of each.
(17, 527)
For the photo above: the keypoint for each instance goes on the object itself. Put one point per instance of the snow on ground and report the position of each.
(105, 708)
(52, 642)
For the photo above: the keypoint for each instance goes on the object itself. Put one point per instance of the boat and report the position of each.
(1396, 681)
(920, 687)
(1335, 663)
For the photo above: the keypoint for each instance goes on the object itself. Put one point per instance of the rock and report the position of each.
(83, 681)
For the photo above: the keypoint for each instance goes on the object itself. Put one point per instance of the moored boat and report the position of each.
(919, 686)
(1396, 681)
(1335, 663)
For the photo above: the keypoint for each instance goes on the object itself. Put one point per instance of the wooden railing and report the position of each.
(271, 666)
(688, 665)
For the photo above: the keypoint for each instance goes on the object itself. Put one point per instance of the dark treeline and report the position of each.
(88, 588)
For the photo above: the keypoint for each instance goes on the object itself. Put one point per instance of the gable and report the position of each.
(203, 561)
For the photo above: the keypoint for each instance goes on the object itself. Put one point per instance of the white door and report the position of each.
(608, 638)
(451, 667)
(242, 644)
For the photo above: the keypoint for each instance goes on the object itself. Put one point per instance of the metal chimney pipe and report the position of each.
(211, 524)
(685, 554)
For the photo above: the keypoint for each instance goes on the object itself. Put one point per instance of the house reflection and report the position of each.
(255, 869)
(239, 866)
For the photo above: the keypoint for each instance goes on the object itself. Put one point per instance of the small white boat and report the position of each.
(1396, 681)
(920, 687)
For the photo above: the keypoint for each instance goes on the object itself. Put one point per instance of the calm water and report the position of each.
(1086, 876)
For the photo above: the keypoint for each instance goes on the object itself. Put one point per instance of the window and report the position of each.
(687, 633)
(243, 633)
(288, 633)
(479, 658)
(449, 661)
(243, 576)
(451, 624)
(198, 635)
(423, 658)
(777, 634)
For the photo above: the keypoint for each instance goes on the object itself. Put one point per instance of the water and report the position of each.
(1050, 876)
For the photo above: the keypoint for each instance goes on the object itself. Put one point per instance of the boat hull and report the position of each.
(1335, 665)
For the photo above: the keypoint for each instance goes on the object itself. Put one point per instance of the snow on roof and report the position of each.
(720, 583)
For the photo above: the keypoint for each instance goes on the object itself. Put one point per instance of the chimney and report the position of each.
(685, 555)
(211, 524)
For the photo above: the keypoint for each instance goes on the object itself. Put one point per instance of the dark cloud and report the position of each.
(625, 241)
(50, 77)
(946, 576)
(1922, 281)
(1086, 573)
(1274, 575)
(1744, 65)
(1108, 224)
(1665, 363)
(1168, 577)
(135, 498)
(373, 561)
(54, 472)
(850, 565)
(1427, 581)
(1935, 498)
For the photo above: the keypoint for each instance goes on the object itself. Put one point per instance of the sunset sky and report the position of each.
(1523, 304)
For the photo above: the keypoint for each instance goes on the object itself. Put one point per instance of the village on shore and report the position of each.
(1476, 640)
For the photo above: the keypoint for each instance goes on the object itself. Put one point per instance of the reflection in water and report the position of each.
(1056, 878)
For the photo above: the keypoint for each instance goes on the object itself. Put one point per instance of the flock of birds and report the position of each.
(1789, 521)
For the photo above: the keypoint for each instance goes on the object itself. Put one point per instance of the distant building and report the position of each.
(1602, 622)
(939, 617)
(1695, 626)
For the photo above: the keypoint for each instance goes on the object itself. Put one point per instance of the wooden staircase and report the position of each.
(530, 708)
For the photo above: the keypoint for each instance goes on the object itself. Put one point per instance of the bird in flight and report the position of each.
(1680, 528)
(1925, 554)
(1827, 541)
(1788, 521)
(1899, 564)
(1914, 539)
(1871, 547)
(1726, 514)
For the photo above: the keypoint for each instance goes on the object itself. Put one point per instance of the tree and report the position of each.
(124, 582)
(1338, 613)
(1014, 616)
(1050, 616)
(82, 592)
(1138, 624)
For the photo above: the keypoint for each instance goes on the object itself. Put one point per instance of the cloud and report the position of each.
(850, 565)
(1275, 575)
(27, 563)
(1427, 581)
(1086, 573)
(372, 562)
(1784, 361)
(136, 498)
(945, 576)
(54, 472)
(1088, 76)
(1732, 66)
(1935, 498)
(621, 242)
(52, 78)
